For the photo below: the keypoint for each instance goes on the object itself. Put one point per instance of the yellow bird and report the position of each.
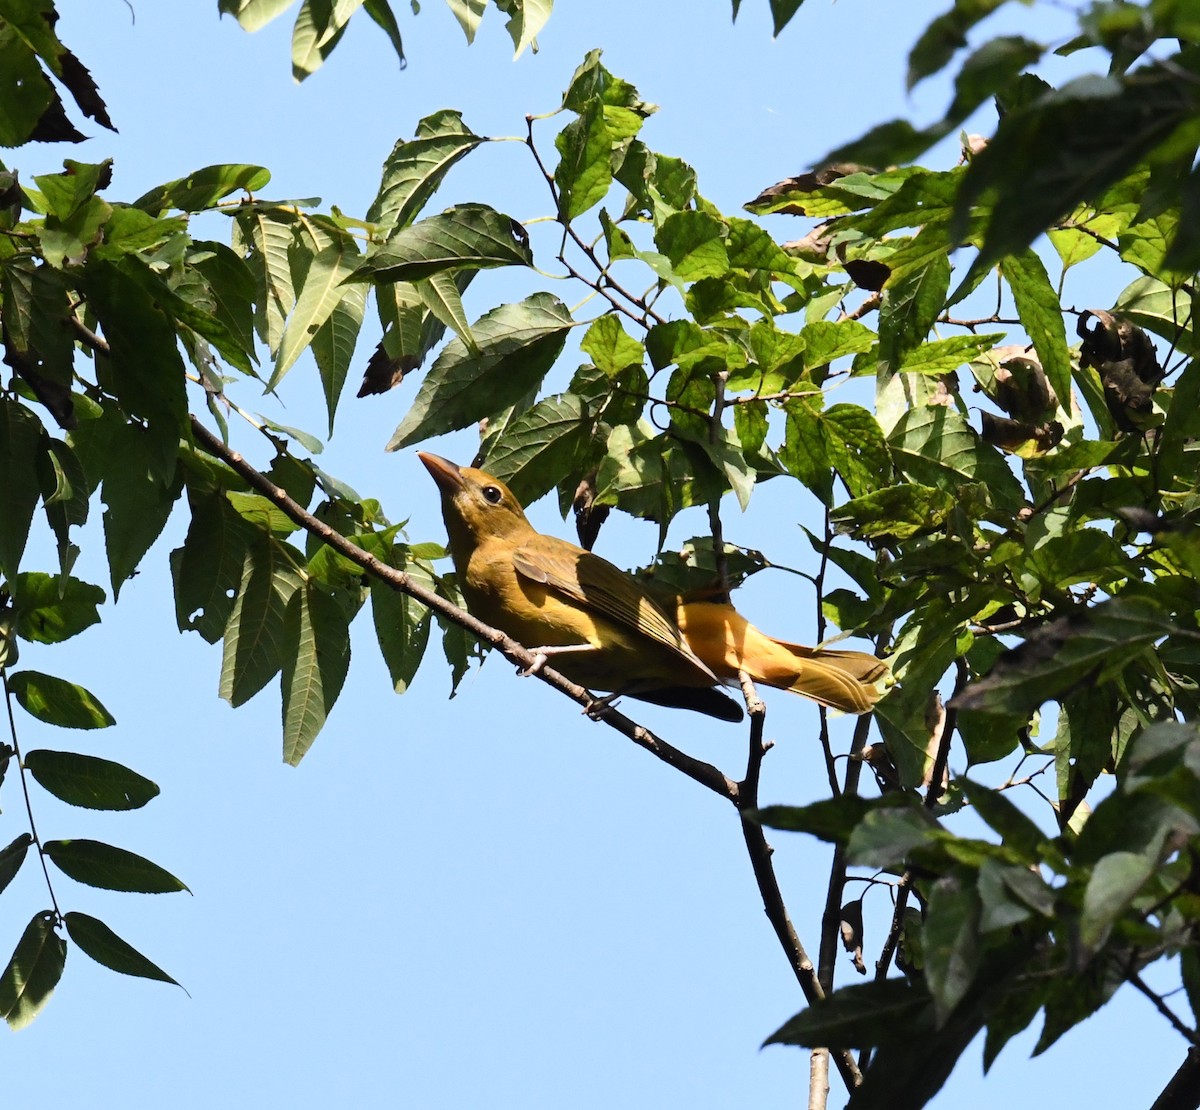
(727, 643)
(598, 626)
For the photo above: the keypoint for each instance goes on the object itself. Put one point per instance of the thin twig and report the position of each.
(23, 775)
(704, 773)
(1160, 1005)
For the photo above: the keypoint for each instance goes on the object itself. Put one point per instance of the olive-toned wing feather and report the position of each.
(591, 581)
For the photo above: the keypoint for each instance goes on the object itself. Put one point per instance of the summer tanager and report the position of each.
(595, 623)
(727, 643)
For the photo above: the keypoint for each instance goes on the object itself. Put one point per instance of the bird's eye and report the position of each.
(492, 494)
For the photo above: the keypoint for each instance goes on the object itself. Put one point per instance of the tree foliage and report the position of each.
(1009, 483)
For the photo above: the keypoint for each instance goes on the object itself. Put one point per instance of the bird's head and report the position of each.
(475, 504)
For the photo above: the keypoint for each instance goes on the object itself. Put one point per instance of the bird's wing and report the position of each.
(596, 584)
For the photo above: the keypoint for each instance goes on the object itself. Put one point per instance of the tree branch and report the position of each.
(704, 773)
(1183, 1090)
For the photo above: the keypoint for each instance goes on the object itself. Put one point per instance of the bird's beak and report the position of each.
(447, 474)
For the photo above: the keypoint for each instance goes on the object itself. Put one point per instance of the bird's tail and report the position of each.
(727, 643)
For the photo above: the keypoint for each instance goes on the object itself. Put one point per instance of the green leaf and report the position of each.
(467, 235)
(584, 172)
(333, 261)
(857, 1016)
(381, 12)
(942, 356)
(58, 702)
(33, 972)
(934, 445)
(253, 15)
(231, 284)
(1066, 147)
(147, 373)
(441, 296)
(540, 447)
(416, 167)
(88, 781)
(1114, 883)
(894, 513)
(945, 36)
(831, 819)
(1041, 316)
(318, 29)
(1152, 305)
(402, 630)
(101, 865)
(885, 837)
(951, 944)
(254, 636)
(333, 345)
(1093, 645)
(268, 237)
(611, 347)
(27, 92)
(316, 657)
(517, 344)
(207, 569)
(137, 502)
(525, 19)
(203, 189)
(104, 946)
(12, 855)
(469, 14)
(50, 609)
(20, 440)
(694, 242)
(1003, 818)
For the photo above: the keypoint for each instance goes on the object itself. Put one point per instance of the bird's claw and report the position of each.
(539, 661)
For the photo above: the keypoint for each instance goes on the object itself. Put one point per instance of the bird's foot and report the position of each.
(596, 707)
(539, 661)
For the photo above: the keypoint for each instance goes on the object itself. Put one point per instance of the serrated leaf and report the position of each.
(333, 345)
(334, 260)
(416, 167)
(101, 865)
(584, 172)
(56, 701)
(441, 296)
(316, 658)
(517, 344)
(104, 946)
(402, 629)
(934, 445)
(611, 347)
(89, 781)
(694, 243)
(467, 235)
(253, 646)
(33, 972)
(540, 447)
(207, 569)
(269, 236)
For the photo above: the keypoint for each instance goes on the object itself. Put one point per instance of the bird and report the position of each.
(598, 624)
(727, 643)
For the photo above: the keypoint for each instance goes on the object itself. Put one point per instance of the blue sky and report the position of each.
(484, 901)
